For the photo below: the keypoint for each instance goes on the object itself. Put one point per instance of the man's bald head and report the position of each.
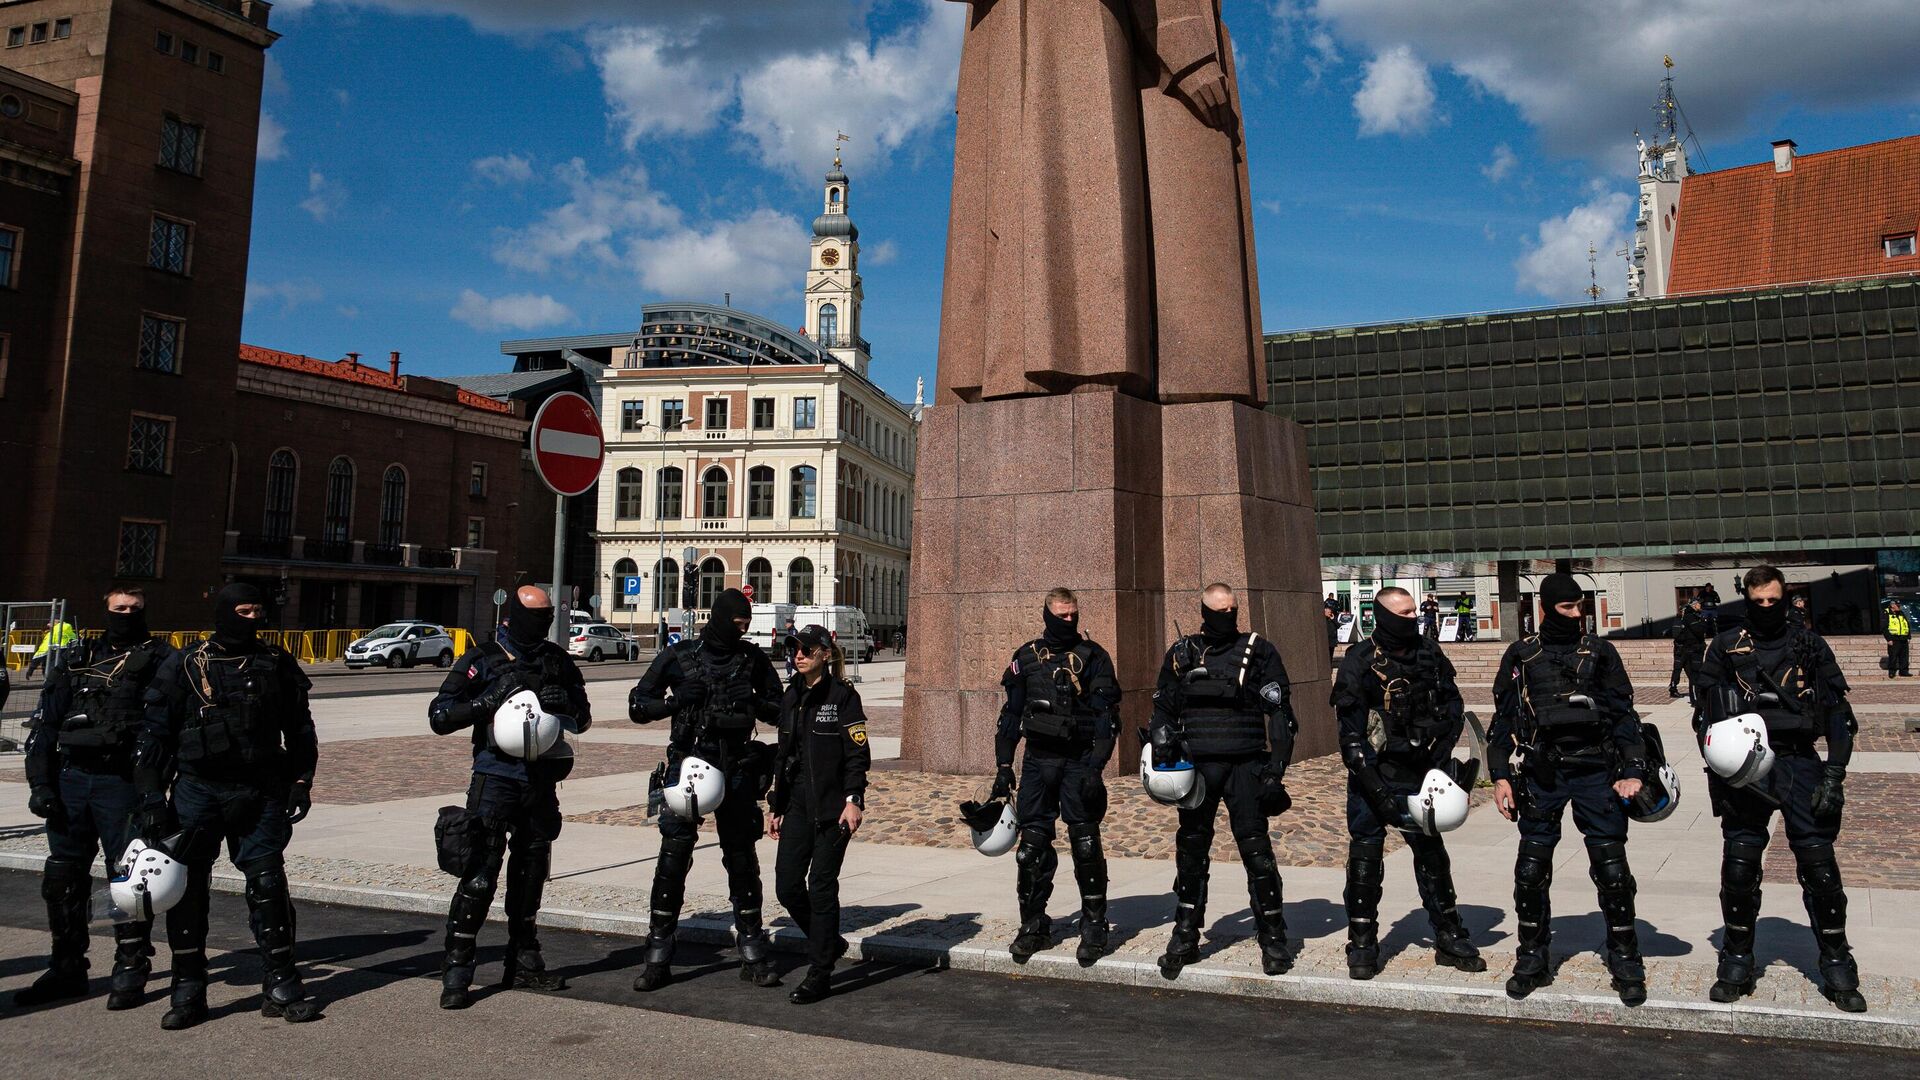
(1220, 597)
(534, 596)
(1395, 599)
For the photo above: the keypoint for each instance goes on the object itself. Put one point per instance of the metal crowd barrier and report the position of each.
(307, 646)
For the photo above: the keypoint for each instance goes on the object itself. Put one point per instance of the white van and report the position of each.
(769, 627)
(846, 623)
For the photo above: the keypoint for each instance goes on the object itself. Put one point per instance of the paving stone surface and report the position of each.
(1879, 843)
(359, 771)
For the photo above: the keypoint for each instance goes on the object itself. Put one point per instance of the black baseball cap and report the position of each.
(810, 637)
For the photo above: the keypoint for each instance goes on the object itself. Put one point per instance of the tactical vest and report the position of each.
(1550, 680)
(1409, 711)
(106, 711)
(1219, 713)
(1898, 626)
(1784, 670)
(1054, 683)
(728, 711)
(230, 726)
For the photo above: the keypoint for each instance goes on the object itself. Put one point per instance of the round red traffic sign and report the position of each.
(567, 445)
(747, 591)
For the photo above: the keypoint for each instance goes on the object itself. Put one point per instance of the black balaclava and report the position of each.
(1063, 632)
(720, 631)
(1395, 632)
(229, 628)
(1767, 622)
(527, 626)
(1219, 627)
(125, 628)
(1555, 627)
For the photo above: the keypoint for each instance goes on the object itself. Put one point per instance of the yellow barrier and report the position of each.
(307, 646)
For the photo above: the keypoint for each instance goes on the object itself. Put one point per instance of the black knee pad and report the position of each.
(676, 854)
(1533, 868)
(60, 877)
(1366, 860)
(1034, 848)
(1819, 872)
(1609, 868)
(1085, 840)
(1191, 858)
(1740, 866)
(1257, 853)
(266, 880)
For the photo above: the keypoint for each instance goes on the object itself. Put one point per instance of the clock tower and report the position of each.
(833, 277)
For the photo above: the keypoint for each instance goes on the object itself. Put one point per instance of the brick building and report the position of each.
(360, 495)
(127, 142)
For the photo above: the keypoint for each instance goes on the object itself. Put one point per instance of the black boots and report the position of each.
(132, 965)
(1090, 872)
(188, 1007)
(1826, 901)
(1433, 873)
(744, 890)
(1616, 888)
(64, 888)
(1264, 897)
(1532, 876)
(271, 908)
(526, 967)
(1365, 871)
(1035, 862)
(1183, 947)
(669, 891)
(818, 984)
(1739, 908)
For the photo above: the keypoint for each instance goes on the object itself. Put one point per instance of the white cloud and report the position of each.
(758, 258)
(273, 139)
(504, 169)
(1585, 74)
(1501, 164)
(1555, 262)
(283, 295)
(587, 229)
(519, 311)
(882, 253)
(1396, 96)
(324, 196)
(274, 76)
(657, 85)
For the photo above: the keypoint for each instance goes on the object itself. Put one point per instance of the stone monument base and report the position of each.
(1136, 507)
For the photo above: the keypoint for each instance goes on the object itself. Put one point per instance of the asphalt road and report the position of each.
(374, 973)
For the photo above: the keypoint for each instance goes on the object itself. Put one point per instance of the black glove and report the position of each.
(299, 801)
(1167, 750)
(488, 701)
(1273, 797)
(152, 818)
(1831, 795)
(1003, 784)
(690, 694)
(555, 700)
(44, 802)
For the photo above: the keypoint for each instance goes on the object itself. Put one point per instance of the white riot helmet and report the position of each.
(1737, 750)
(1440, 805)
(699, 790)
(1658, 797)
(147, 882)
(992, 825)
(522, 729)
(1178, 784)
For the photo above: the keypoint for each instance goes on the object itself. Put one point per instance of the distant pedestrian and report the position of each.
(1899, 630)
(59, 636)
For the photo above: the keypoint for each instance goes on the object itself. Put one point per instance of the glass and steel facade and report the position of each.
(1785, 419)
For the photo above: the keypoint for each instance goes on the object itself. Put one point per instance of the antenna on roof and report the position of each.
(1673, 119)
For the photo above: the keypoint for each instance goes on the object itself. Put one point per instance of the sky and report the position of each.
(437, 176)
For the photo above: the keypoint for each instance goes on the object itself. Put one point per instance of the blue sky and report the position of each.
(438, 175)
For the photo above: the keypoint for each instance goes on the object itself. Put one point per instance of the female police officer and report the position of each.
(818, 799)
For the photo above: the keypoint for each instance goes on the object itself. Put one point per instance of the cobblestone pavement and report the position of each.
(359, 771)
(1884, 733)
(1878, 837)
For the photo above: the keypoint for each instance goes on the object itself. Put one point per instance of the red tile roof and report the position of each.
(363, 374)
(1750, 226)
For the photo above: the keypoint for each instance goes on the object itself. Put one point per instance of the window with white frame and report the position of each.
(1898, 246)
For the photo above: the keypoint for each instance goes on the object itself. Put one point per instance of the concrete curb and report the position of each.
(1753, 1021)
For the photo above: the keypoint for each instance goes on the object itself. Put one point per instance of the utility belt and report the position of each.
(1048, 724)
(225, 735)
(101, 726)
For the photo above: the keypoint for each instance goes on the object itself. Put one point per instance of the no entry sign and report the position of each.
(567, 445)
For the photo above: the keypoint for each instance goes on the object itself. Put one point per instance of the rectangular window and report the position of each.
(164, 42)
(160, 340)
(62, 29)
(169, 245)
(673, 414)
(805, 413)
(180, 145)
(763, 414)
(16, 36)
(477, 481)
(1899, 245)
(717, 410)
(476, 532)
(39, 33)
(189, 52)
(150, 444)
(633, 415)
(9, 257)
(142, 549)
(216, 63)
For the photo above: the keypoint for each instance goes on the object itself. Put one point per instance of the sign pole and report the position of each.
(562, 616)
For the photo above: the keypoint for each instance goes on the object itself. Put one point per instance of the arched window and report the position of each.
(283, 472)
(622, 570)
(833, 196)
(800, 581)
(713, 581)
(666, 499)
(829, 323)
(393, 506)
(666, 585)
(804, 496)
(338, 528)
(760, 492)
(627, 486)
(713, 495)
(760, 577)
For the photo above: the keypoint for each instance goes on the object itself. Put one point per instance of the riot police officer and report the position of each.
(1400, 716)
(721, 685)
(1689, 645)
(227, 725)
(1221, 702)
(1790, 678)
(1061, 696)
(1562, 699)
(818, 800)
(80, 773)
(513, 811)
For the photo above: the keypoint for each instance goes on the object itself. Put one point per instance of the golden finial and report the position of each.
(1669, 62)
(839, 137)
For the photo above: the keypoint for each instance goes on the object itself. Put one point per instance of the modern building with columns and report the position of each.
(768, 451)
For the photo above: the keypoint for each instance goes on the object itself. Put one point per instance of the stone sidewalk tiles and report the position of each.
(360, 771)
(1879, 845)
(1880, 733)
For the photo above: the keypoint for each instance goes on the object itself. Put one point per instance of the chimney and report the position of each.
(393, 364)
(353, 358)
(1783, 155)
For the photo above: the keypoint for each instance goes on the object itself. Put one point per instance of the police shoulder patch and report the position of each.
(858, 733)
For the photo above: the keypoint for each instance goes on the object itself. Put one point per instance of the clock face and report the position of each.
(830, 257)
